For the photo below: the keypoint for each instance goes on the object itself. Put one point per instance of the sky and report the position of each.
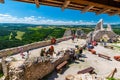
(19, 12)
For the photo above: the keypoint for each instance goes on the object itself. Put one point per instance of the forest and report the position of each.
(13, 35)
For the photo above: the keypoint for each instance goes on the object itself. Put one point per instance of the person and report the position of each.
(80, 51)
(43, 52)
(50, 50)
(53, 41)
(77, 53)
(26, 55)
(21, 53)
(105, 41)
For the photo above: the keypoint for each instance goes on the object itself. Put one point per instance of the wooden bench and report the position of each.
(60, 66)
(87, 70)
(92, 51)
(104, 56)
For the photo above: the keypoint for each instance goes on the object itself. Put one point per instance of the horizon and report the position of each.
(19, 12)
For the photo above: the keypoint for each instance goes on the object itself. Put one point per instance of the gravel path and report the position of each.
(102, 66)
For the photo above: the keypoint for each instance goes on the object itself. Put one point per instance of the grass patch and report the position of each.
(112, 79)
(35, 28)
(19, 35)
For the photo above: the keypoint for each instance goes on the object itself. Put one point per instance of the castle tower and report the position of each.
(109, 27)
(99, 25)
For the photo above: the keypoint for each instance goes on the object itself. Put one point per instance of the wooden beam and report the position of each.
(117, 0)
(116, 12)
(87, 8)
(1, 1)
(103, 11)
(37, 3)
(88, 2)
(65, 4)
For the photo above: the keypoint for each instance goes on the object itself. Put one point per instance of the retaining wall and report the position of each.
(12, 51)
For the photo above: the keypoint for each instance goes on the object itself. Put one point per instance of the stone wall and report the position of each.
(11, 51)
(98, 35)
(33, 70)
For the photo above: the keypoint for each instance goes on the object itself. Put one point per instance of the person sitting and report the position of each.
(50, 50)
(90, 46)
(43, 52)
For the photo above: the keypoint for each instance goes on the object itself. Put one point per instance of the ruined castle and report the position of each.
(100, 32)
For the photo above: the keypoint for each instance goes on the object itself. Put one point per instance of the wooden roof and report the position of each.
(111, 7)
(1, 1)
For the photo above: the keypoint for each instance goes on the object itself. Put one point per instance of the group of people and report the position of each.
(104, 41)
(45, 52)
(24, 55)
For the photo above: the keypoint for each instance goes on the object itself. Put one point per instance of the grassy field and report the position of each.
(35, 28)
(19, 35)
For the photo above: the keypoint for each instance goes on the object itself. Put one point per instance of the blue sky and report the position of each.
(19, 12)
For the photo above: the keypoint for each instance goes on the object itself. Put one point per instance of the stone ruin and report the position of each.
(100, 32)
(34, 68)
(80, 34)
(68, 32)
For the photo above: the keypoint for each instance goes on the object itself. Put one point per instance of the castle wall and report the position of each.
(98, 35)
(12, 51)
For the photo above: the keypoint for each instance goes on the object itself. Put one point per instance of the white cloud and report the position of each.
(6, 18)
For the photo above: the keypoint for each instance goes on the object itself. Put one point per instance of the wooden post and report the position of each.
(112, 73)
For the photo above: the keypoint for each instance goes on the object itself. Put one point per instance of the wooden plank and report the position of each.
(1, 1)
(87, 2)
(37, 3)
(87, 8)
(65, 4)
(103, 11)
(116, 12)
(117, 0)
